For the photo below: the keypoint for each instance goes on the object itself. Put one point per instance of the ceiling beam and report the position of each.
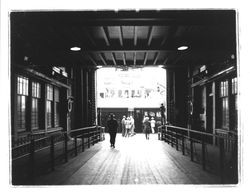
(135, 35)
(145, 58)
(178, 58)
(124, 58)
(91, 59)
(106, 35)
(166, 18)
(89, 37)
(164, 40)
(103, 58)
(113, 58)
(157, 54)
(121, 36)
(131, 49)
(165, 61)
(150, 35)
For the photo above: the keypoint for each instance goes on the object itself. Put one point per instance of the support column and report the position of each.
(170, 96)
(77, 93)
(214, 109)
(84, 97)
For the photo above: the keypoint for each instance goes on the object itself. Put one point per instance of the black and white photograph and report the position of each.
(124, 97)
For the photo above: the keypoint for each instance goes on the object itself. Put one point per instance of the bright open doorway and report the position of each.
(131, 92)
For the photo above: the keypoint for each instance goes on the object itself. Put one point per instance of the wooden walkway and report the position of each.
(135, 160)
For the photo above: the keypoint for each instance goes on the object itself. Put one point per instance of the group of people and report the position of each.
(128, 126)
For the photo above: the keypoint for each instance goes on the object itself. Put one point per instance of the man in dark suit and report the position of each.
(163, 118)
(112, 125)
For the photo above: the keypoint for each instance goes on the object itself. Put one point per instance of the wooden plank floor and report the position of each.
(135, 160)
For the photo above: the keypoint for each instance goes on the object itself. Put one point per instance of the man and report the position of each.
(112, 125)
(163, 118)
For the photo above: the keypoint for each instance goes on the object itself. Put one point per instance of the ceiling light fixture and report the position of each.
(75, 48)
(182, 48)
(99, 66)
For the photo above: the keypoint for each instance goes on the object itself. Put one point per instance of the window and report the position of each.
(234, 85)
(235, 103)
(22, 93)
(49, 104)
(224, 104)
(53, 106)
(57, 107)
(36, 95)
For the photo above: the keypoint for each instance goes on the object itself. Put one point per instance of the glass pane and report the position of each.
(221, 89)
(34, 114)
(226, 88)
(56, 94)
(21, 112)
(57, 116)
(36, 89)
(225, 113)
(49, 92)
(49, 119)
(234, 86)
(22, 85)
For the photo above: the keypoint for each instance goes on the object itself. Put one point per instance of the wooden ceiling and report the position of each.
(122, 38)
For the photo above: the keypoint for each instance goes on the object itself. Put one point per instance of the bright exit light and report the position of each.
(182, 48)
(133, 88)
(75, 48)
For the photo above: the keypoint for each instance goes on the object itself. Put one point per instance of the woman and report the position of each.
(147, 127)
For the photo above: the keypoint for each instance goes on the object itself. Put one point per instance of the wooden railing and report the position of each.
(47, 150)
(198, 145)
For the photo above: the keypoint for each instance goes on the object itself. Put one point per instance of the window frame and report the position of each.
(22, 93)
(224, 104)
(35, 97)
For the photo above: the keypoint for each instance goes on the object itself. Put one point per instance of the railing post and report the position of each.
(83, 146)
(32, 160)
(172, 139)
(52, 153)
(66, 147)
(75, 138)
(96, 134)
(191, 150)
(93, 137)
(183, 145)
(88, 139)
(161, 134)
(167, 136)
(103, 133)
(99, 132)
(222, 159)
(176, 141)
(203, 152)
